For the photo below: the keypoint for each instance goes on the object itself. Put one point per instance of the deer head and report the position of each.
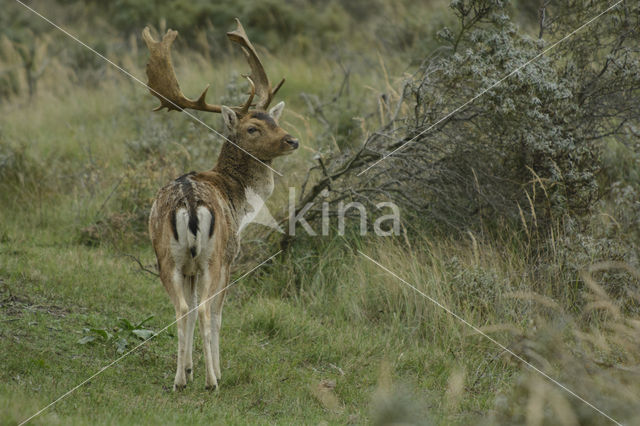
(258, 132)
(250, 125)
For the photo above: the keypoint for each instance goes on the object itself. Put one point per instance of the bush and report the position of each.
(484, 150)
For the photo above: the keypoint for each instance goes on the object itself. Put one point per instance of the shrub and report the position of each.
(484, 150)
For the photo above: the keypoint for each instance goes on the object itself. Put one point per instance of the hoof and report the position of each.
(177, 387)
(211, 387)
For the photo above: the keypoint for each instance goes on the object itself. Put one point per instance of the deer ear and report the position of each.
(230, 118)
(276, 111)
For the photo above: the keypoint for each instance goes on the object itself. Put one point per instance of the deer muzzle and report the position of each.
(291, 141)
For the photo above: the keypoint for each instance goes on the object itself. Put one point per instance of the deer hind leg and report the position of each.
(206, 286)
(182, 308)
(216, 318)
(192, 300)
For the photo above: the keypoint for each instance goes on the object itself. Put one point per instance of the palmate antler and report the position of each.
(163, 82)
(258, 75)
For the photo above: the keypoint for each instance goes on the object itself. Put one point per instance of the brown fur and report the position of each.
(222, 191)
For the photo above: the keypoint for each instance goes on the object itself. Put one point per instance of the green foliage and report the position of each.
(536, 125)
(22, 177)
(493, 130)
(321, 334)
(273, 22)
(119, 336)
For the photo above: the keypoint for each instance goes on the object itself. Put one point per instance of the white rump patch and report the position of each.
(182, 227)
(180, 248)
(204, 246)
(187, 243)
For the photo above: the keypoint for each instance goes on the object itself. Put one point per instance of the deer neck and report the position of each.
(244, 171)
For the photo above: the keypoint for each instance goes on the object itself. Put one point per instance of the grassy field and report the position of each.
(319, 335)
(327, 350)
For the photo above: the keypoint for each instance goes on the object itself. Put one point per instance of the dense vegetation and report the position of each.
(520, 213)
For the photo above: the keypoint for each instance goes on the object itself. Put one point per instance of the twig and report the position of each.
(542, 12)
(142, 267)
(106, 200)
(324, 170)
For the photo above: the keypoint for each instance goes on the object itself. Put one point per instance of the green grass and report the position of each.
(275, 350)
(321, 334)
(314, 315)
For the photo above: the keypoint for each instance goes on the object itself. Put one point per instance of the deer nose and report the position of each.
(292, 141)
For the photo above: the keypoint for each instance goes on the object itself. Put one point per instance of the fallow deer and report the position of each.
(196, 220)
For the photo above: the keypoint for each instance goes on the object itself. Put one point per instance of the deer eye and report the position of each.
(252, 130)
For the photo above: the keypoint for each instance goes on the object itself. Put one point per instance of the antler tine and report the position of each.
(258, 74)
(164, 85)
(163, 82)
(245, 108)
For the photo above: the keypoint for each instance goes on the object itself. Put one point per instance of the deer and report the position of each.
(196, 220)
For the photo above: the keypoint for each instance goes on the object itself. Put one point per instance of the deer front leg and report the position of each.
(204, 317)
